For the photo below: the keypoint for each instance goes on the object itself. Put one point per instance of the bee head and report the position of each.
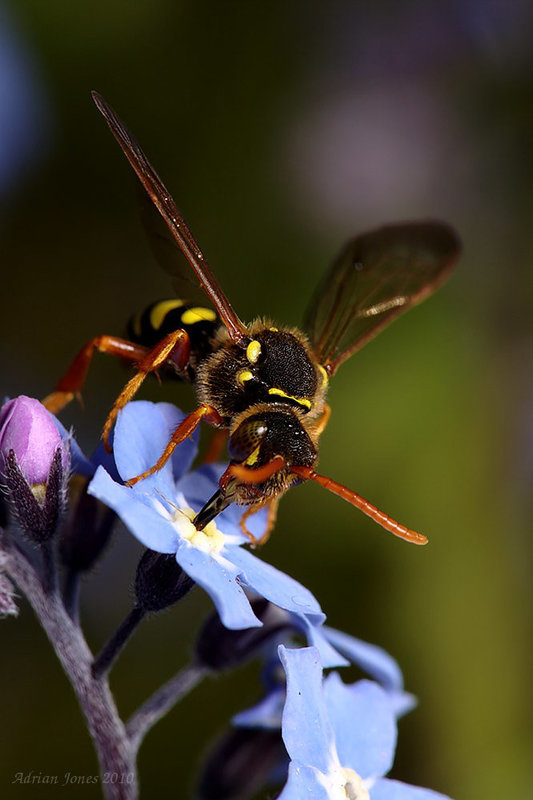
(268, 433)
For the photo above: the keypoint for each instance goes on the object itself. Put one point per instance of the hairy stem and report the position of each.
(112, 649)
(115, 754)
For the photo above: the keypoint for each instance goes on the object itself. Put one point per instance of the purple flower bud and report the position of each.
(27, 428)
(34, 462)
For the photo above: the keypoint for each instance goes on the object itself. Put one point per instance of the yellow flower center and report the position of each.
(353, 787)
(39, 492)
(345, 784)
(210, 539)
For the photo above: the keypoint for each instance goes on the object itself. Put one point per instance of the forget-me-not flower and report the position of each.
(340, 738)
(159, 512)
(337, 649)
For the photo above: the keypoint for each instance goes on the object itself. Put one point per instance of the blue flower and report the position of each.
(335, 649)
(340, 738)
(159, 510)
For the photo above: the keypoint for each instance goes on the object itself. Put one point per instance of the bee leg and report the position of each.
(72, 381)
(319, 425)
(175, 344)
(271, 521)
(186, 427)
(216, 446)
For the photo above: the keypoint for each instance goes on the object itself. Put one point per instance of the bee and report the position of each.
(263, 383)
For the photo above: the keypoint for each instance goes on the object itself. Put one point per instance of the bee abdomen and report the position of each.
(165, 316)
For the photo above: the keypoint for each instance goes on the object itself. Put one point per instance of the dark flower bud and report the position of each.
(160, 581)
(34, 462)
(87, 532)
(38, 518)
(220, 648)
(242, 762)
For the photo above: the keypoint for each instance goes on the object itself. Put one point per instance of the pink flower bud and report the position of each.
(27, 428)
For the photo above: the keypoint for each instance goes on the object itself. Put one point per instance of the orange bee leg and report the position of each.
(176, 344)
(72, 381)
(271, 521)
(184, 429)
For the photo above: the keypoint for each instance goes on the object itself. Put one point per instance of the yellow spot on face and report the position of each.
(253, 351)
(243, 376)
(274, 329)
(159, 312)
(198, 314)
(302, 401)
(324, 374)
(252, 458)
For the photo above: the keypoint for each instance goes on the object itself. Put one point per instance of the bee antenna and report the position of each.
(363, 505)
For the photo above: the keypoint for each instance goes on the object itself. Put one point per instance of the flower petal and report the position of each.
(364, 725)
(385, 789)
(101, 457)
(274, 585)
(198, 486)
(306, 728)
(371, 658)
(146, 524)
(142, 432)
(304, 783)
(221, 581)
(377, 663)
(317, 637)
(265, 714)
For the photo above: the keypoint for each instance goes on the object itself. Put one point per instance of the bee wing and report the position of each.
(175, 223)
(168, 256)
(376, 277)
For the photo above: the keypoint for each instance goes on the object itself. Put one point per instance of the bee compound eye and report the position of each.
(247, 438)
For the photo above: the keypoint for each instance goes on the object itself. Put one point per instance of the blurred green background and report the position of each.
(281, 130)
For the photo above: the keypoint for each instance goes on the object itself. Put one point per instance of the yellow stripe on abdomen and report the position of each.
(160, 310)
(198, 314)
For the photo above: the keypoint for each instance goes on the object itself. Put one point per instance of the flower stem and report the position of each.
(115, 754)
(112, 649)
(161, 702)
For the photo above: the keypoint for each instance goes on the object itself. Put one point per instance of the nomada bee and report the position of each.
(263, 383)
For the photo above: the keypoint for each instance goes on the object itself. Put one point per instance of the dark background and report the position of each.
(282, 129)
